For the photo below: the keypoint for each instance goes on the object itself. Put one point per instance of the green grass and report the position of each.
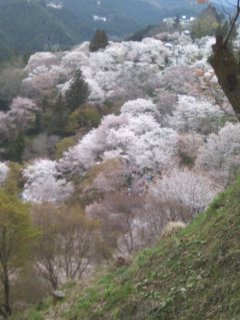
(194, 274)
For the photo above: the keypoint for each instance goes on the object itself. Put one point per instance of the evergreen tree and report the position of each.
(177, 23)
(78, 92)
(99, 40)
(16, 148)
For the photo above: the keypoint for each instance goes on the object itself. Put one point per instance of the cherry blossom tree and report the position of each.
(166, 103)
(119, 214)
(177, 196)
(43, 183)
(124, 69)
(181, 80)
(90, 148)
(18, 119)
(188, 146)
(113, 176)
(156, 150)
(220, 156)
(195, 115)
(44, 72)
(190, 188)
(115, 71)
(135, 135)
(138, 80)
(138, 106)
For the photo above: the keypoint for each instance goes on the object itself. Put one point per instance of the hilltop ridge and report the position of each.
(39, 25)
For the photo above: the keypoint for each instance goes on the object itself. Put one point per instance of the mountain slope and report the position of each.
(192, 274)
(5, 49)
(36, 25)
(126, 16)
(31, 26)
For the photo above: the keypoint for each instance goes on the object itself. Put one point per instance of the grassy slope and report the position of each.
(192, 275)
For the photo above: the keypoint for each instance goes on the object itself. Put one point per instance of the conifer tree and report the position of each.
(78, 91)
(99, 41)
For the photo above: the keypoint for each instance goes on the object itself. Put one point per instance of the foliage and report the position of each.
(78, 92)
(11, 75)
(40, 145)
(208, 23)
(188, 188)
(177, 196)
(181, 80)
(16, 240)
(133, 135)
(127, 19)
(195, 115)
(108, 73)
(37, 27)
(43, 183)
(16, 149)
(221, 153)
(99, 41)
(113, 175)
(53, 116)
(86, 116)
(18, 119)
(14, 181)
(63, 145)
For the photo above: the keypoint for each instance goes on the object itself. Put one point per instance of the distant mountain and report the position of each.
(34, 25)
(122, 17)
(31, 25)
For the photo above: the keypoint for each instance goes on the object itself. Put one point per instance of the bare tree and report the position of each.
(119, 217)
(64, 249)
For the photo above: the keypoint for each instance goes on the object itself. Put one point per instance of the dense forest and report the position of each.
(39, 25)
(119, 169)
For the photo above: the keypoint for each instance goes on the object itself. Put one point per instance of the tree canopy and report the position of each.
(99, 40)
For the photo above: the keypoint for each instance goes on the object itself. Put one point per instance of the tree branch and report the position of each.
(233, 23)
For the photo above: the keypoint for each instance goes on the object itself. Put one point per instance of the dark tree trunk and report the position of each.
(7, 298)
(227, 70)
(5, 309)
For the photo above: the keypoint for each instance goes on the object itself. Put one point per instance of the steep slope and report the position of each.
(194, 274)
